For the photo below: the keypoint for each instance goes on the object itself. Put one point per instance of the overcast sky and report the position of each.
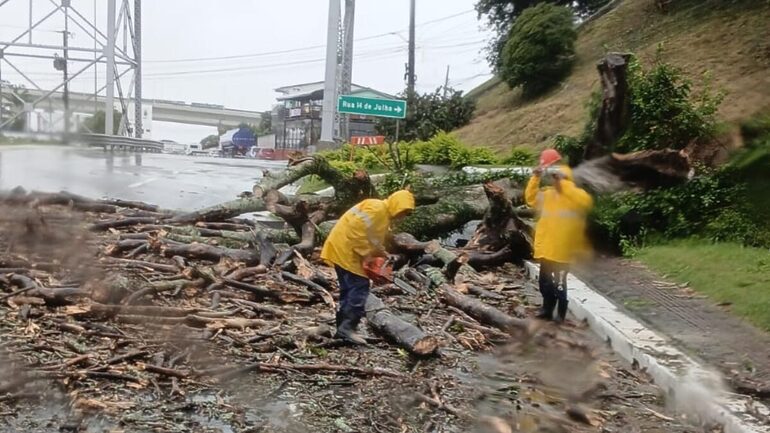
(182, 38)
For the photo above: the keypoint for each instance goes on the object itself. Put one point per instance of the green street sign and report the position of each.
(395, 108)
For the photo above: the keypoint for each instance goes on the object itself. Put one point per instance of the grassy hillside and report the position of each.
(729, 38)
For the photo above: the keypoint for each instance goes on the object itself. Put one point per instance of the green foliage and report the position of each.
(447, 149)
(442, 149)
(520, 157)
(570, 148)
(427, 114)
(714, 205)
(664, 113)
(423, 225)
(210, 141)
(95, 123)
(501, 15)
(344, 167)
(540, 50)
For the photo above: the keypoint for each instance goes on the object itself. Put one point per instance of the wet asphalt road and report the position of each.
(172, 181)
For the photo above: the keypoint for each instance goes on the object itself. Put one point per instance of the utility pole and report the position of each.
(347, 63)
(410, 79)
(330, 79)
(138, 126)
(109, 104)
(446, 82)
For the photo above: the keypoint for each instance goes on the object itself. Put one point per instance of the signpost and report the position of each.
(393, 108)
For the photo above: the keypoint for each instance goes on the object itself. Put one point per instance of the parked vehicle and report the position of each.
(194, 149)
(171, 146)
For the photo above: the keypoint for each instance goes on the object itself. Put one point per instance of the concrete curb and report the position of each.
(693, 389)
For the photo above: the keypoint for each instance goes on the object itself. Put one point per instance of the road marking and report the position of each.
(142, 183)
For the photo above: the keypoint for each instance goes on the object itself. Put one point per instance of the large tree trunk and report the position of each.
(501, 226)
(614, 114)
(645, 169)
(402, 332)
(482, 312)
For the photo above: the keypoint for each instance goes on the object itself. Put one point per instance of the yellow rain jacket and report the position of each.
(560, 232)
(362, 230)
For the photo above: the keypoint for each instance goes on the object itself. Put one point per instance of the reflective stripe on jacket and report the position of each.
(361, 231)
(560, 232)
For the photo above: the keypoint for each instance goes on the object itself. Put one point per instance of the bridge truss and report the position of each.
(114, 42)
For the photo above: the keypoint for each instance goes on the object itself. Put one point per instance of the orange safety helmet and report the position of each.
(549, 157)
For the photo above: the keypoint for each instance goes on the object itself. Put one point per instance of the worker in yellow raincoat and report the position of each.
(560, 233)
(357, 237)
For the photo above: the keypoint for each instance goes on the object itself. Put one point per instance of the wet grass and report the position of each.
(312, 184)
(727, 273)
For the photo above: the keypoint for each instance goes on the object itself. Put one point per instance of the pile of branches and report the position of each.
(120, 309)
(123, 295)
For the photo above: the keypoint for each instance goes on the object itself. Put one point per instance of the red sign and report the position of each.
(367, 140)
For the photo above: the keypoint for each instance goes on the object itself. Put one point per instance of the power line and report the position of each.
(294, 50)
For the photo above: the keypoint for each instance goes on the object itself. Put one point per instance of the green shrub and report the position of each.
(664, 113)
(447, 149)
(570, 148)
(714, 205)
(345, 167)
(540, 50)
(520, 157)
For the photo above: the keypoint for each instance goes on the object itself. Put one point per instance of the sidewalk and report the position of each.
(706, 331)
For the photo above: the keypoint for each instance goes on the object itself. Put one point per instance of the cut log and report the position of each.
(123, 222)
(261, 292)
(454, 266)
(123, 246)
(212, 253)
(406, 243)
(403, 333)
(482, 312)
(222, 211)
(131, 204)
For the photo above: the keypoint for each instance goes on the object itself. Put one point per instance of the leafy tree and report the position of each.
(95, 123)
(210, 141)
(266, 122)
(664, 112)
(540, 50)
(429, 113)
(501, 14)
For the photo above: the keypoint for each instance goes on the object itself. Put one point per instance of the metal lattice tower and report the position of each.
(114, 43)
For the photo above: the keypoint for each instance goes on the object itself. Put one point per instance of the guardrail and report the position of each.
(117, 142)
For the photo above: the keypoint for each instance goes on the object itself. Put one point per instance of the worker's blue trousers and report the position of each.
(354, 289)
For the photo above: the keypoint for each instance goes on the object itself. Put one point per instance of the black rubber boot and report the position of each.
(546, 311)
(562, 310)
(346, 330)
